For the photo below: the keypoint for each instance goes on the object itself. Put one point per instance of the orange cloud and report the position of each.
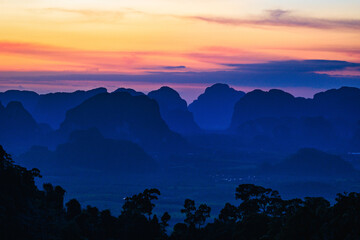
(79, 59)
(45, 57)
(21, 56)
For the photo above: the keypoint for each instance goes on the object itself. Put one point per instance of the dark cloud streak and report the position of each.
(296, 66)
(270, 75)
(173, 67)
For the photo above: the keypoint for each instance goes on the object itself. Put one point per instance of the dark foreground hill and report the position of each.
(174, 111)
(214, 108)
(124, 117)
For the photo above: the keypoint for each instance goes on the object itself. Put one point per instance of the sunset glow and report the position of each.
(137, 37)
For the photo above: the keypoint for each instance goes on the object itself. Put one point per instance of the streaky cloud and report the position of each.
(269, 18)
(173, 67)
(283, 18)
(297, 74)
(296, 66)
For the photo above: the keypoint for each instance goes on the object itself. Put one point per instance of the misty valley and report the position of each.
(104, 147)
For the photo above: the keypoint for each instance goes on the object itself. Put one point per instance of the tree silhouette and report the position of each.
(164, 221)
(195, 216)
(201, 214)
(5, 159)
(141, 204)
(189, 211)
(73, 209)
(229, 214)
(257, 199)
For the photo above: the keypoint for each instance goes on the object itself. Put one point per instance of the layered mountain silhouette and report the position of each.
(342, 107)
(326, 121)
(18, 129)
(260, 119)
(129, 90)
(291, 132)
(313, 163)
(52, 107)
(49, 108)
(28, 99)
(214, 108)
(355, 140)
(89, 150)
(273, 104)
(126, 117)
(335, 104)
(174, 111)
(342, 103)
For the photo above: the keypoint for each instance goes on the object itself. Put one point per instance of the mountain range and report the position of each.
(18, 129)
(88, 150)
(122, 116)
(49, 108)
(174, 111)
(328, 121)
(160, 125)
(214, 108)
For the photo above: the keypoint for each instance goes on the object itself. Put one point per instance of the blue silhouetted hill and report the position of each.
(355, 140)
(214, 108)
(126, 117)
(291, 133)
(275, 103)
(28, 99)
(309, 162)
(49, 108)
(342, 107)
(342, 103)
(89, 150)
(174, 111)
(335, 104)
(18, 129)
(328, 121)
(129, 90)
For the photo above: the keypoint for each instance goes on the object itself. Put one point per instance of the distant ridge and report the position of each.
(174, 111)
(49, 108)
(129, 90)
(342, 103)
(327, 121)
(123, 116)
(266, 120)
(310, 162)
(89, 150)
(18, 129)
(214, 108)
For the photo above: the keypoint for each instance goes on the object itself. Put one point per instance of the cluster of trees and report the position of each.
(29, 213)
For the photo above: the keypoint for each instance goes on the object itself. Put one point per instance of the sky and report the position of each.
(48, 45)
